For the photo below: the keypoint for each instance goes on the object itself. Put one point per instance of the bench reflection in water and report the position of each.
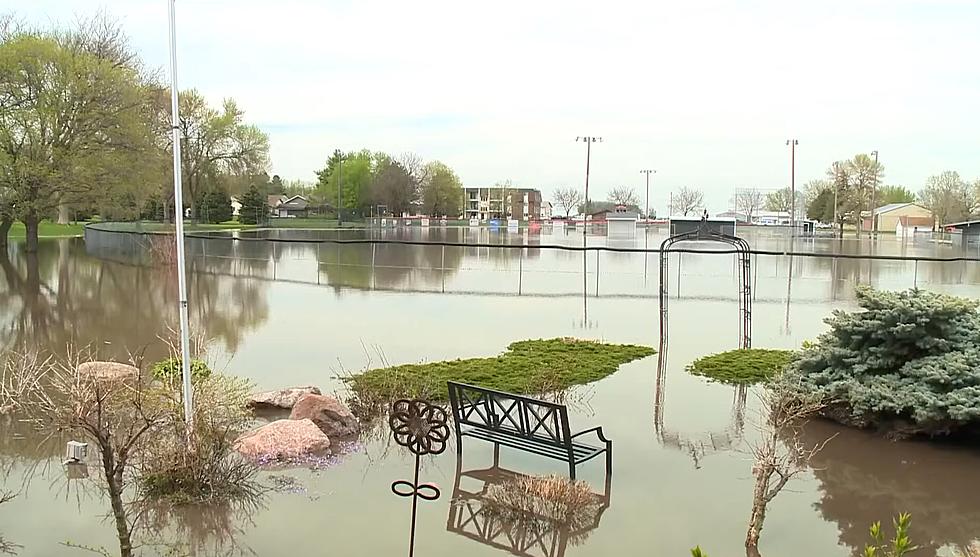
(473, 513)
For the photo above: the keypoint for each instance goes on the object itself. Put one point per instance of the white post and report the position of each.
(185, 350)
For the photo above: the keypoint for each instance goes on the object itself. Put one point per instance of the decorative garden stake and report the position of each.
(422, 428)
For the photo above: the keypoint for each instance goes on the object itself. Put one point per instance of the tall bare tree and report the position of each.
(749, 201)
(568, 199)
(688, 201)
(624, 196)
(948, 197)
(418, 169)
(215, 142)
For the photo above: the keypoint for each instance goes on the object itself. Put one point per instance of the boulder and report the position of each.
(283, 398)
(283, 440)
(328, 413)
(107, 371)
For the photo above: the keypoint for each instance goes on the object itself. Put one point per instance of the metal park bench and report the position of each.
(522, 423)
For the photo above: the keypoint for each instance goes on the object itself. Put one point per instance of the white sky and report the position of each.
(704, 91)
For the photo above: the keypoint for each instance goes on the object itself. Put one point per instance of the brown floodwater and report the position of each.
(303, 313)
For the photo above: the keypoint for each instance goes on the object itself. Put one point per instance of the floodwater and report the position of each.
(287, 314)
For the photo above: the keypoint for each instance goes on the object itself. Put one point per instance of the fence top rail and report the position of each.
(614, 249)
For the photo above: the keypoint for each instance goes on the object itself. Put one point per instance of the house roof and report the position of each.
(274, 200)
(895, 206)
(622, 215)
(966, 223)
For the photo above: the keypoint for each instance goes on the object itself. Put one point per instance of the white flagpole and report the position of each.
(185, 350)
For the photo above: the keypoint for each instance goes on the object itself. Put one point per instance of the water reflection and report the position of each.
(701, 444)
(61, 296)
(530, 535)
(864, 478)
(212, 530)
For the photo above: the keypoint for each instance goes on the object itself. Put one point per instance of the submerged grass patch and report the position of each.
(742, 367)
(527, 367)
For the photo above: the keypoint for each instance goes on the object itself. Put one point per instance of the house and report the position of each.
(964, 233)
(273, 202)
(889, 217)
(295, 206)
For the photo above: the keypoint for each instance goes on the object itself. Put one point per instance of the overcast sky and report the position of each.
(704, 91)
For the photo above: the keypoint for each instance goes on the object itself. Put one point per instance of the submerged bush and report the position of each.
(742, 367)
(910, 362)
(209, 469)
(171, 369)
(527, 367)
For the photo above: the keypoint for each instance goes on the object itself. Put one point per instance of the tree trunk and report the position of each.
(64, 215)
(30, 224)
(115, 485)
(758, 516)
(5, 225)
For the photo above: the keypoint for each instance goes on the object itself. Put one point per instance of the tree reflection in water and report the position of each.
(865, 478)
(212, 529)
(62, 296)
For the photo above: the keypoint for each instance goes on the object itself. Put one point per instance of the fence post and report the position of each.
(318, 263)
(915, 276)
(442, 269)
(597, 252)
(520, 273)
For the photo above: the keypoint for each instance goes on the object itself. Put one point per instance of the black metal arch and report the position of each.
(742, 253)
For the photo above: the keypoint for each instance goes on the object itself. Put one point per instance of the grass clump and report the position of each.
(527, 367)
(742, 367)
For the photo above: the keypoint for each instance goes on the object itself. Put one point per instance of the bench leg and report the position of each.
(609, 459)
(571, 469)
(496, 455)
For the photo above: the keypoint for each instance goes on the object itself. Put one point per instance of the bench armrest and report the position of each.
(597, 430)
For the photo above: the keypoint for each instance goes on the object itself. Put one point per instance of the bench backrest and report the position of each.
(536, 420)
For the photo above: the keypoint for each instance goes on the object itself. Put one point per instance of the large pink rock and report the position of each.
(283, 440)
(283, 398)
(328, 413)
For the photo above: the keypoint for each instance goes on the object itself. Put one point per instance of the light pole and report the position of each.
(646, 209)
(589, 140)
(185, 348)
(792, 183)
(874, 192)
(340, 187)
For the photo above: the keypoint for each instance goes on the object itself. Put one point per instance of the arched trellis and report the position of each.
(744, 264)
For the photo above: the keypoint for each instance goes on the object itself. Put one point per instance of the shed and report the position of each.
(621, 222)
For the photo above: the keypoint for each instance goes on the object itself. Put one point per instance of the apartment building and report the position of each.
(502, 203)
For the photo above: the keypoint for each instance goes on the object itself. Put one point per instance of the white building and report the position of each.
(546, 210)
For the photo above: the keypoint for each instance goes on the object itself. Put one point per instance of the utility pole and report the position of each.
(589, 140)
(340, 186)
(792, 184)
(185, 345)
(874, 192)
(646, 209)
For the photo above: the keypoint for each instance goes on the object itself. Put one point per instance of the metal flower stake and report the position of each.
(422, 428)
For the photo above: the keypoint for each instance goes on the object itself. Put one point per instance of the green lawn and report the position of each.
(315, 223)
(532, 367)
(48, 229)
